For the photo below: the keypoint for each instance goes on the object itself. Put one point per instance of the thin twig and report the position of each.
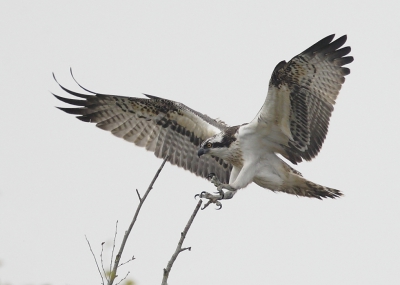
(123, 278)
(101, 259)
(137, 192)
(95, 260)
(186, 248)
(179, 248)
(112, 253)
(113, 273)
(133, 258)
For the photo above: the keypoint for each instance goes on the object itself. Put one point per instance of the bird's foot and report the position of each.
(220, 195)
(227, 187)
(214, 180)
(212, 199)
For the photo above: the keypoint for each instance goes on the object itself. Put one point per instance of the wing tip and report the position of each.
(345, 71)
(87, 90)
(73, 111)
(151, 96)
(320, 44)
(327, 44)
(71, 101)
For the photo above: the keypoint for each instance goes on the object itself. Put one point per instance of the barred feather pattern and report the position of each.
(310, 189)
(162, 126)
(311, 82)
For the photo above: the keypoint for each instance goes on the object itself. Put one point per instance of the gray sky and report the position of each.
(62, 179)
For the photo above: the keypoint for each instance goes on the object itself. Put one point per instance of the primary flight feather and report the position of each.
(293, 122)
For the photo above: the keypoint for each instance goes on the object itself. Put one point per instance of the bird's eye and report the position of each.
(208, 145)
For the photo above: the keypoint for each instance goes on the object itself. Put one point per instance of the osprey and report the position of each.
(292, 122)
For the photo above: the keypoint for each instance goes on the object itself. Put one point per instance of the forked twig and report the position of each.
(123, 278)
(95, 260)
(113, 273)
(179, 248)
(101, 259)
(123, 263)
(112, 253)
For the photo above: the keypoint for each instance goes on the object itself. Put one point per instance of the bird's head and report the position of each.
(219, 144)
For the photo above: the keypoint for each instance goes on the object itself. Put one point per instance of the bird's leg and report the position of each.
(221, 195)
(214, 179)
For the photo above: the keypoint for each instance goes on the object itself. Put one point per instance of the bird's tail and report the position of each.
(299, 186)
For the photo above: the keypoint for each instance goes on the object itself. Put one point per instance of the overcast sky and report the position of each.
(62, 179)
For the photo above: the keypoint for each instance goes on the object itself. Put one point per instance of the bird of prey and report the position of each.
(292, 122)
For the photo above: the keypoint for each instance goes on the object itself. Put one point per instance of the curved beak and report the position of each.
(201, 152)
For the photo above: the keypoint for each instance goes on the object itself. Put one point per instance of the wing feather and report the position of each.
(162, 126)
(301, 96)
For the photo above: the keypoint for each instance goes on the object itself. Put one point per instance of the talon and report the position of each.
(206, 205)
(197, 195)
(210, 175)
(211, 199)
(220, 192)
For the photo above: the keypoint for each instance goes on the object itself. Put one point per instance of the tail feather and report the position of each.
(319, 191)
(303, 187)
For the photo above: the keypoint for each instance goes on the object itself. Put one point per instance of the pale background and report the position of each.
(62, 179)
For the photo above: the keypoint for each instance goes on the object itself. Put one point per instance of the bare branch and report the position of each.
(137, 192)
(101, 259)
(123, 278)
(112, 253)
(186, 248)
(113, 273)
(179, 248)
(133, 258)
(95, 260)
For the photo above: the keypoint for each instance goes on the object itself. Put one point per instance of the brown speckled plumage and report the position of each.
(293, 122)
(313, 79)
(162, 126)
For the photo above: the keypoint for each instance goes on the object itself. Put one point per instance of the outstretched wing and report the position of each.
(301, 96)
(162, 126)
